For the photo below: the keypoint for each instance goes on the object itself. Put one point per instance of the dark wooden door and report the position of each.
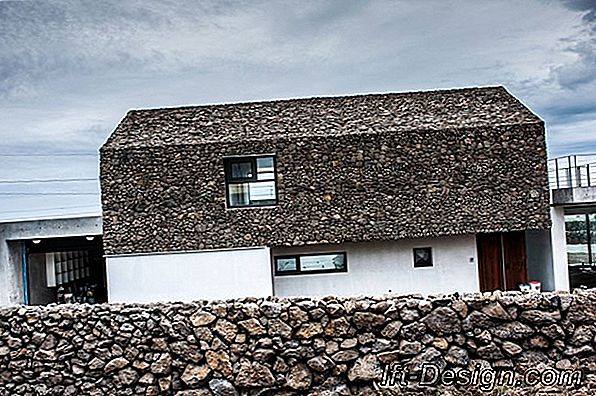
(490, 259)
(502, 263)
(516, 265)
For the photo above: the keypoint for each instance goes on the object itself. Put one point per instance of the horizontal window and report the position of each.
(250, 181)
(311, 263)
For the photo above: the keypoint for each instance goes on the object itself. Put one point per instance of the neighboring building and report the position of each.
(573, 185)
(40, 258)
(429, 192)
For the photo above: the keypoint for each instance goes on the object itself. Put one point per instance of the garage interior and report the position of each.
(64, 270)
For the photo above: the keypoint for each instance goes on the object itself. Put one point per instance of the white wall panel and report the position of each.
(189, 276)
(382, 267)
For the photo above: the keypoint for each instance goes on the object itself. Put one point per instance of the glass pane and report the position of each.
(262, 191)
(581, 273)
(241, 170)
(265, 176)
(265, 165)
(423, 257)
(286, 264)
(322, 262)
(239, 194)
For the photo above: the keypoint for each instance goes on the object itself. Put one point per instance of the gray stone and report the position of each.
(366, 368)
(226, 329)
(320, 364)
(413, 331)
(540, 317)
(115, 364)
(337, 327)
(222, 387)
(276, 327)
(511, 349)
(477, 320)
(512, 331)
(194, 375)
(309, 330)
(345, 356)
(127, 376)
(202, 318)
(348, 343)
(367, 320)
(489, 352)
(253, 375)
(271, 309)
(443, 320)
(582, 335)
(409, 347)
(162, 364)
(457, 356)
(573, 351)
(392, 329)
(496, 310)
(299, 377)
(409, 315)
(219, 361)
(252, 326)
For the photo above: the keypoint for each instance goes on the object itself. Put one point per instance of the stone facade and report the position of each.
(327, 346)
(363, 168)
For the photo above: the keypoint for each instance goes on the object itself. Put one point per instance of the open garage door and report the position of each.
(65, 270)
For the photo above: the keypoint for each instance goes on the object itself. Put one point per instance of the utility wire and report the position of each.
(17, 181)
(50, 155)
(44, 193)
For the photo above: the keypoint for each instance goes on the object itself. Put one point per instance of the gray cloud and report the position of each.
(69, 70)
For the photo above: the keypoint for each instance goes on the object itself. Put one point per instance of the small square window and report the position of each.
(423, 257)
(250, 181)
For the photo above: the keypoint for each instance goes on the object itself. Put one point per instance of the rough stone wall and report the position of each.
(386, 185)
(325, 346)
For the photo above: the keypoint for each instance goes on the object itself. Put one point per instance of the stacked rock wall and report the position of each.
(328, 346)
(331, 189)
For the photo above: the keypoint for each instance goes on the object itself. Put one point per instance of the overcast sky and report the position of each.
(69, 70)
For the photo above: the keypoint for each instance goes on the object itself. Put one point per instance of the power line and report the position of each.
(44, 193)
(50, 155)
(16, 181)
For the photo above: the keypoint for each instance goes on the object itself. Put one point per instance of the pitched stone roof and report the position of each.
(375, 113)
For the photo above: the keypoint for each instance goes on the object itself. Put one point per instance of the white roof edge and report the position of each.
(50, 217)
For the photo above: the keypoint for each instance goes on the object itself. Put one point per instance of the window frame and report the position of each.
(229, 180)
(432, 261)
(299, 270)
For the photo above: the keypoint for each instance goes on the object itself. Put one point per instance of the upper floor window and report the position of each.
(250, 181)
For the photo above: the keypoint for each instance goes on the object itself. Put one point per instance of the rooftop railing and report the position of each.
(572, 171)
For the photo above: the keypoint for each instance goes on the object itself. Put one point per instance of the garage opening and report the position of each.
(64, 270)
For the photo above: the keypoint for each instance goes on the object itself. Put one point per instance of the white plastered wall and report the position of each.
(213, 275)
(382, 267)
(559, 247)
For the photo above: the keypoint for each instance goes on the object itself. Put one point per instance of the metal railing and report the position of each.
(572, 171)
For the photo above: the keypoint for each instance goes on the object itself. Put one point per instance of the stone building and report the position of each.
(437, 191)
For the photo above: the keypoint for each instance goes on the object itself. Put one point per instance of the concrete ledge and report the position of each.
(577, 195)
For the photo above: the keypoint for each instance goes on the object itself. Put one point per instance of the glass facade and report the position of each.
(580, 230)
